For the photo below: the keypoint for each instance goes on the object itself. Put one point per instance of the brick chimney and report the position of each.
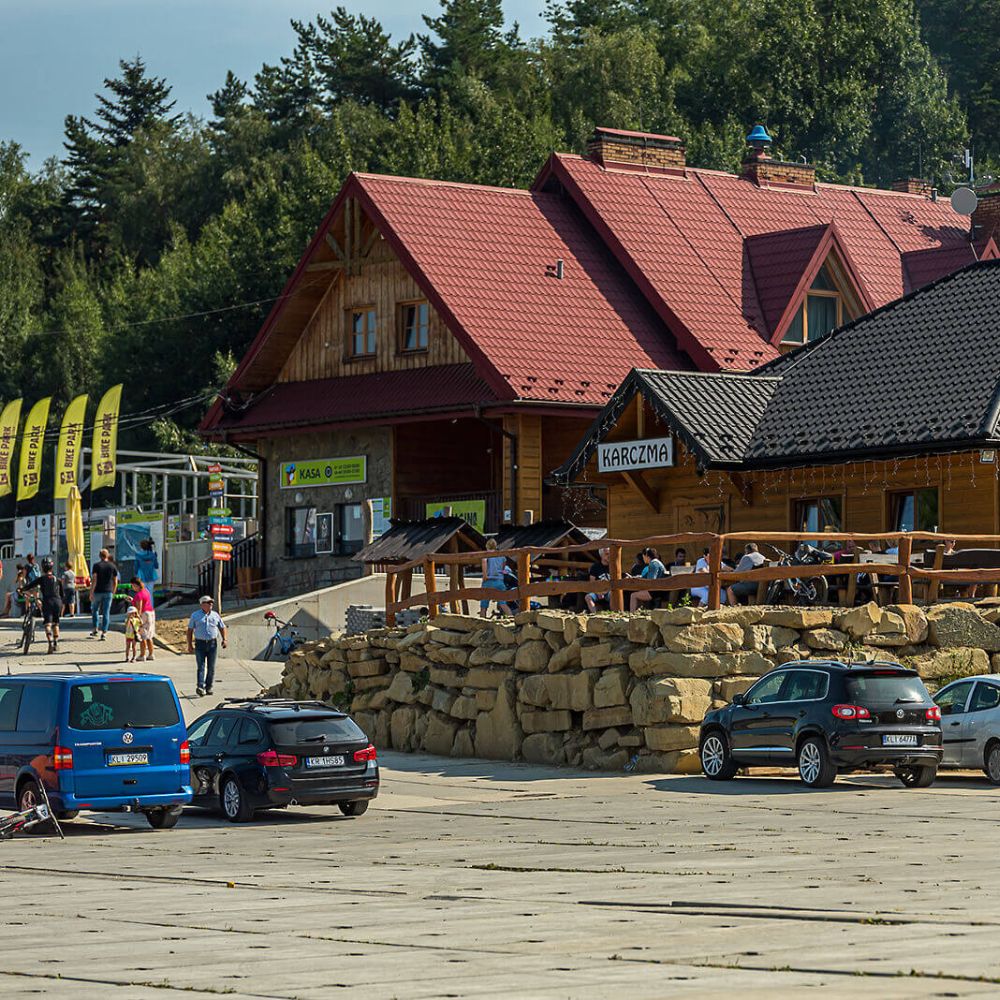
(759, 167)
(913, 185)
(642, 151)
(986, 217)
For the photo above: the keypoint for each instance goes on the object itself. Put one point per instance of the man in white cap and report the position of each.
(204, 630)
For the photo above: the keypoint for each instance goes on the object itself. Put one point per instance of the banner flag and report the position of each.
(105, 439)
(68, 452)
(9, 421)
(30, 475)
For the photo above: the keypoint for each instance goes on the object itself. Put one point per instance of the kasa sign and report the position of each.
(626, 456)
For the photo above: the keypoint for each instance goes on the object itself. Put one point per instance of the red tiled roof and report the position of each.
(331, 401)
(682, 239)
(487, 256)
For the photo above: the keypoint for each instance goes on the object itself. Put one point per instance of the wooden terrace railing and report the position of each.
(530, 558)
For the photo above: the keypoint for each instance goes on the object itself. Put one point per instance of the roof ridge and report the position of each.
(431, 182)
(728, 376)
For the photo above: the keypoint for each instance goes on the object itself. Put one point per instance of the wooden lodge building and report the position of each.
(891, 423)
(443, 345)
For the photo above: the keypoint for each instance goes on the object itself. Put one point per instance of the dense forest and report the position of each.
(151, 250)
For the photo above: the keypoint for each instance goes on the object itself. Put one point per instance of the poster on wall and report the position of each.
(324, 472)
(133, 527)
(324, 534)
(473, 511)
(381, 512)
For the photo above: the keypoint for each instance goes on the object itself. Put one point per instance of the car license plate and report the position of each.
(331, 761)
(899, 740)
(127, 759)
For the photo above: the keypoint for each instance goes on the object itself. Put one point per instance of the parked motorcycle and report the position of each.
(800, 590)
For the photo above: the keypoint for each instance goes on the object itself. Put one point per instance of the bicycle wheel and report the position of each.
(29, 634)
(270, 647)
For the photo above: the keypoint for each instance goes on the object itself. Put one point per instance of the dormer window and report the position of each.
(821, 311)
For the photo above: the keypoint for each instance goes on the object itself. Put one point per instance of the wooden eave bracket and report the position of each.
(743, 486)
(641, 486)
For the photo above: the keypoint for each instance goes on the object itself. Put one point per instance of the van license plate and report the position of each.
(899, 740)
(127, 759)
(337, 761)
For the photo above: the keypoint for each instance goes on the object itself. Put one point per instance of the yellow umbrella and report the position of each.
(74, 536)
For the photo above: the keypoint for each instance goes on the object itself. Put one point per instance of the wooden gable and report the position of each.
(363, 271)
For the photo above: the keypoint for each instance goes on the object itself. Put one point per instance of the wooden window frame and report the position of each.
(890, 496)
(367, 310)
(804, 311)
(401, 308)
(793, 503)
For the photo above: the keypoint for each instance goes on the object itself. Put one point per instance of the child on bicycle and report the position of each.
(50, 590)
(133, 624)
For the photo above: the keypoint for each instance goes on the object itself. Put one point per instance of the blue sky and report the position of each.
(54, 54)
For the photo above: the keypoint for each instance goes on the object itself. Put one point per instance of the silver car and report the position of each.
(970, 724)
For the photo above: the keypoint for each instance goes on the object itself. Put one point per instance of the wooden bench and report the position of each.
(937, 558)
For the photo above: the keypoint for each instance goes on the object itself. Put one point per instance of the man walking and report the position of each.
(204, 629)
(103, 584)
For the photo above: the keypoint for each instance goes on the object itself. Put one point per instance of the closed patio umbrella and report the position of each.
(74, 537)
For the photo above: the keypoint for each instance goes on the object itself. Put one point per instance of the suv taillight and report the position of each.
(934, 714)
(851, 712)
(185, 752)
(62, 759)
(271, 758)
(360, 756)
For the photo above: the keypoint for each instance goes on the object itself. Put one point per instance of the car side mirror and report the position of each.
(739, 699)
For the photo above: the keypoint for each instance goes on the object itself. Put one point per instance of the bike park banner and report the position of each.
(30, 476)
(68, 452)
(9, 421)
(105, 439)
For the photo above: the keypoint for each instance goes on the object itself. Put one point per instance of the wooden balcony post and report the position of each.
(524, 580)
(617, 597)
(430, 585)
(390, 598)
(905, 580)
(715, 568)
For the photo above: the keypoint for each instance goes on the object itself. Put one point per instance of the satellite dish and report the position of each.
(964, 200)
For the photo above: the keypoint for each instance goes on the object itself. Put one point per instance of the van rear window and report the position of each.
(117, 704)
(288, 732)
(886, 689)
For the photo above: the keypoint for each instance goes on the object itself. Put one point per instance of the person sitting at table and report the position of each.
(964, 589)
(752, 559)
(700, 594)
(599, 571)
(652, 570)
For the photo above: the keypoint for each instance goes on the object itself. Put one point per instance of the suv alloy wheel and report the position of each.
(815, 767)
(234, 803)
(716, 763)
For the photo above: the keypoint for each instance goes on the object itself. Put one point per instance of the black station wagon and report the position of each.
(827, 718)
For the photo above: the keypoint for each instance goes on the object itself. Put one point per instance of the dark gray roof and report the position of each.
(407, 540)
(713, 414)
(539, 534)
(919, 374)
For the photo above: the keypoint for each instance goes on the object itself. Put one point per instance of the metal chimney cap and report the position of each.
(758, 137)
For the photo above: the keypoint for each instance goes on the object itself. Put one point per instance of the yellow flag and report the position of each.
(106, 439)
(9, 420)
(31, 450)
(68, 452)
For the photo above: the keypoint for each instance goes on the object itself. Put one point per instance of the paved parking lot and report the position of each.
(469, 879)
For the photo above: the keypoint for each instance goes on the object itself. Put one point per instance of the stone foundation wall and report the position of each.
(557, 688)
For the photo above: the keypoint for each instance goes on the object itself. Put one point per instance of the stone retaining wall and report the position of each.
(594, 691)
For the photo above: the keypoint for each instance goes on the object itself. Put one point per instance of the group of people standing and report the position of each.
(140, 619)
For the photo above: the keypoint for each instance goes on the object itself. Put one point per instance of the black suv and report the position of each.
(827, 718)
(267, 753)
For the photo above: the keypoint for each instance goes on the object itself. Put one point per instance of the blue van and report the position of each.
(102, 742)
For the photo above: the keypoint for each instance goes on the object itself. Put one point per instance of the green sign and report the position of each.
(219, 511)
(474, 511)
(137, 517)
(324, 472)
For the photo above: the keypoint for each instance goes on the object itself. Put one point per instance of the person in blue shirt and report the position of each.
(32, 571)
(653, 569)
(494, 577)
(204, 630)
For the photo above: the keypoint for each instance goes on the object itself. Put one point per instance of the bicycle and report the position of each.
(28, 626)
(285, 637)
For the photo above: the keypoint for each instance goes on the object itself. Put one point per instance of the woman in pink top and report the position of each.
(143, 603)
